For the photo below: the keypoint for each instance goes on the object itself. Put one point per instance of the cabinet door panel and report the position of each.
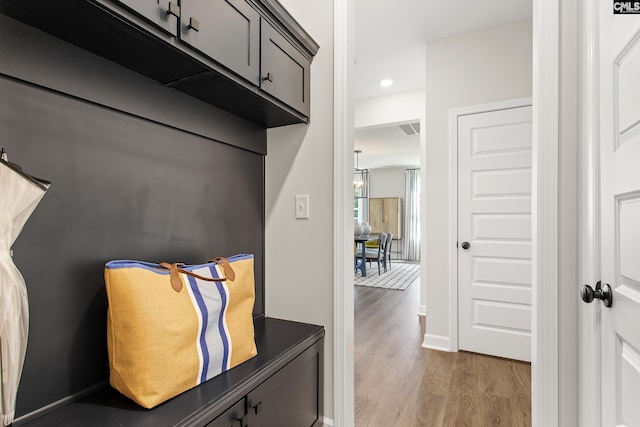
(231, 417)
(227, 31)
(290, 398)
(385, 215)
(159, 12)
(284, 70)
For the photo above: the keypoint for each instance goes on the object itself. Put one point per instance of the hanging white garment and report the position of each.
(19, 196)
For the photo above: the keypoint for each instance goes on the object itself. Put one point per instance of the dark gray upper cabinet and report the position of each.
(248, 57)
(285, 70)
(226, 31)
(162, 13)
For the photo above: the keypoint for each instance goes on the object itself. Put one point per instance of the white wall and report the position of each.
(395, 108)
(386, 182)
(475, 68)
(300, 161)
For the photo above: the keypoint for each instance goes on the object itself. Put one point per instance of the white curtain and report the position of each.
(364, 202)
(412, 214)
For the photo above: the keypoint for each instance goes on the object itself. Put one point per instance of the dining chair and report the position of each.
(373, 244)
(377, 254)
(387, 252)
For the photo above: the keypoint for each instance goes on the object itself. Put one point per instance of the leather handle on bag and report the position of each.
(175, 269)
(228, 270)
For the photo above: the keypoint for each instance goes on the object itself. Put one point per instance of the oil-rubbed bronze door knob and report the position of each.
(602, 292)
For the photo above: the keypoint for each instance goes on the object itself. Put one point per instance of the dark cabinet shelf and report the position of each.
(207, 49)
(284, 380)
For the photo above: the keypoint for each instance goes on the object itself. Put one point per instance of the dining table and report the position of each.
(362, 240)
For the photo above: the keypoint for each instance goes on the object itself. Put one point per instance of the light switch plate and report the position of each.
(302, 206)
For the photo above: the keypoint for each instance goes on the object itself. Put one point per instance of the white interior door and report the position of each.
(619, 89)
(494, 220)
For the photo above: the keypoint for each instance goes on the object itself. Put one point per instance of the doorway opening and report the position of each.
(546, 111)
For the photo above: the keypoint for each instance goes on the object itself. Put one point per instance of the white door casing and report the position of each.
(545, 379)
(494, 218)
(619, 140)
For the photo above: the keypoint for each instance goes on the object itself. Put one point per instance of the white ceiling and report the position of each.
(386, 147)
(390, 43)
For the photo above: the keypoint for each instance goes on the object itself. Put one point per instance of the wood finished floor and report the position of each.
(400, 384)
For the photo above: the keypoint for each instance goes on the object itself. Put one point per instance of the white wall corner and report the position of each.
(343, 305)
(545, 358)
(437, 342)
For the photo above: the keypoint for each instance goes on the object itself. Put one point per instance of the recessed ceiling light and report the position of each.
(386, 82)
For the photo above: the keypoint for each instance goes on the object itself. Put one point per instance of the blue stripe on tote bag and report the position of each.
(171, 327)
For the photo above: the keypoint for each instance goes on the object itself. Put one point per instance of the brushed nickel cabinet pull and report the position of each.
(173, 9)
(194, 24)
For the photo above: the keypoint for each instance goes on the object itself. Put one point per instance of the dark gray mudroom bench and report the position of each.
(281, 386)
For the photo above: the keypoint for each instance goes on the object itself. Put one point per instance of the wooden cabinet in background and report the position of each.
(385, 215)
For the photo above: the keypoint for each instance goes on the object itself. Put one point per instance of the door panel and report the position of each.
(619, 140)
(627, 71)
(291, 397)
(630, 378)
(517, 250)
(502, 317)
(285, 71)
(501, 227)
(629, 222)
(511, 183)
(494, 216)
(502, 270)
(502, 139)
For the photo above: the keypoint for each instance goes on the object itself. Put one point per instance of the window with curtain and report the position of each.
(360, 195)
(412, 214)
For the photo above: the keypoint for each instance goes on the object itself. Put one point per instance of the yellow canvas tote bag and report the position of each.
(171, 327)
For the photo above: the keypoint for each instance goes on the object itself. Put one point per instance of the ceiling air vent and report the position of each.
(411, 128)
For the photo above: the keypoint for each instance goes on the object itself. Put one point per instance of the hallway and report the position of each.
(400, 384)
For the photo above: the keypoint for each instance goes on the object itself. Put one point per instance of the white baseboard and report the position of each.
(422, 310)
(437, 342)
(326, 422)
